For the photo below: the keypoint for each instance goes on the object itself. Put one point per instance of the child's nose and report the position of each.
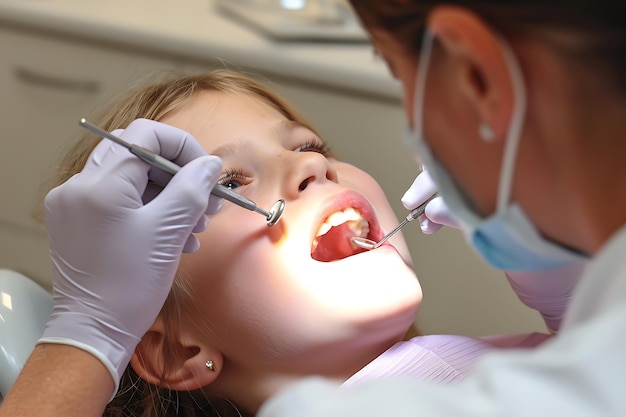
(306, 168)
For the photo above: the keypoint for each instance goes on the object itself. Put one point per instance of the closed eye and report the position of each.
(314, 145)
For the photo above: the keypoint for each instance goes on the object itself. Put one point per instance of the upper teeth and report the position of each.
(356, 222)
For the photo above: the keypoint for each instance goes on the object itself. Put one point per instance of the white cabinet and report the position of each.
(46, 86)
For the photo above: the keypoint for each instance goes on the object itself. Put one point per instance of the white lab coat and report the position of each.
(578, 373)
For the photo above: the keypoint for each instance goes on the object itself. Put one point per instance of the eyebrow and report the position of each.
(286, 127)
(229, 149)
(282, 130)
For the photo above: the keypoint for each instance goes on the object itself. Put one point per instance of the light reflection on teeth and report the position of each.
(358, 225)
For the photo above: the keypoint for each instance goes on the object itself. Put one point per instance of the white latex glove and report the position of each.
(545, 291)
(114, 258)
(436, 214)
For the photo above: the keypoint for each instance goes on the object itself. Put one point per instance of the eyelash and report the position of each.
(232, 174)
(311, 145)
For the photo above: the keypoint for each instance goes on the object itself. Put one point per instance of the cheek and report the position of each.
(408, 99)
(406, 75)
(238, 284)
(213, 272)
(445, 107)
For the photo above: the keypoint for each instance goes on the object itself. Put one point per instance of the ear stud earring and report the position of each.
(210, 365)
(486, 132)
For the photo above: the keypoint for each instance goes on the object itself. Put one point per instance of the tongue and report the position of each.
(335, 244)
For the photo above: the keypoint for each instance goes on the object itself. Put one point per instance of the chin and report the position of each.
(371, 286)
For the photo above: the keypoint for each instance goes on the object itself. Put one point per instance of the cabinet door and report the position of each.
(46, 86)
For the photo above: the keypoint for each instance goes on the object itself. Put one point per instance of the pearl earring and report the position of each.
(210, 365)
(486, 132)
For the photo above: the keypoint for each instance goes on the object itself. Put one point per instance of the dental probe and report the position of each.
(413, 214)
(219, 190)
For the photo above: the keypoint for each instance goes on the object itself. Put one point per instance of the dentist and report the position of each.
(516, 110)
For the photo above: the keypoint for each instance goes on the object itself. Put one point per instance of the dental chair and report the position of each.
(24, 310)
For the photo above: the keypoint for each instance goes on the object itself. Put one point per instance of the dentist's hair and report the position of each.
(167, 92)
(595, 29)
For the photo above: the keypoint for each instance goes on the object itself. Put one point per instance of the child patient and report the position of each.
(256, 307)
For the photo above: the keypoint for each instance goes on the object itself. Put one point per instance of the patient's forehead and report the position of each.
(205, 102)
(217, 118)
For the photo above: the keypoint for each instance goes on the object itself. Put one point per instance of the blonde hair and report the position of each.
(166, 93)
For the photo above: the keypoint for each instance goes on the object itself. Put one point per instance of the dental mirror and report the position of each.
(369, 244)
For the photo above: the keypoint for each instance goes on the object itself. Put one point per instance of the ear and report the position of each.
(178, 362)
(483, 73)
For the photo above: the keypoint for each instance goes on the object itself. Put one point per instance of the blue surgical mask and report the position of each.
(507, 239)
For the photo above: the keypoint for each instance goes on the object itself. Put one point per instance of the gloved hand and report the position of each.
(545, 291)
(115, 257)
(436, 214)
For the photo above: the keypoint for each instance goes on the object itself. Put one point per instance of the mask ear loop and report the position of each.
(515, 128)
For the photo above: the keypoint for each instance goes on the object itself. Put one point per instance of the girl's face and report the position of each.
(283, 300)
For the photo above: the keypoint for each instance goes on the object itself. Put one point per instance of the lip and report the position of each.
(341, 201)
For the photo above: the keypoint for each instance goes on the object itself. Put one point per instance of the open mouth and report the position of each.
(332, 241)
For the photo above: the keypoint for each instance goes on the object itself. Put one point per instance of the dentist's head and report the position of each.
(516, 109)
